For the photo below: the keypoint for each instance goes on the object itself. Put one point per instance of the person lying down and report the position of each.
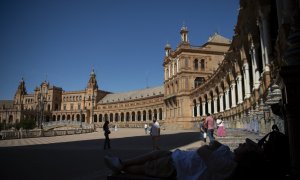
(214, 161)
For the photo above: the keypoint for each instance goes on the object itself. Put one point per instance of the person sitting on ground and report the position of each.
(213, 161)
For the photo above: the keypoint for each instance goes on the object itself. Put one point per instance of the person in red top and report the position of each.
(210, 127)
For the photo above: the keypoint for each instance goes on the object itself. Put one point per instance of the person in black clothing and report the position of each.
(106, 134)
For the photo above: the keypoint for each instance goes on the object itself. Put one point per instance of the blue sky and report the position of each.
(123, 40)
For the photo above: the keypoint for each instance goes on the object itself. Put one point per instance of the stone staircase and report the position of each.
(236, 136)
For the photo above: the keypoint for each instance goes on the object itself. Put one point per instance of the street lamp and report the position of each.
(80, 118)
(93, 99)
(41, 103)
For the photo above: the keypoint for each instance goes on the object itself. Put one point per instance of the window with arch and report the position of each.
(202, 64)
(198, 81)
(196, 66)
(186, 62)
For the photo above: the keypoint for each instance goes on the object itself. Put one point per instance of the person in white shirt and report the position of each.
(221, 132)
(155, 134)
(146, 128)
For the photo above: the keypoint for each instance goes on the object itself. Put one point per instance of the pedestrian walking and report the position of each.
(155, 134)
(106, 134)
(209, 121)
(146, 128)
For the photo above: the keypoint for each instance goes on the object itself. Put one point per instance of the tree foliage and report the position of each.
(27, 123)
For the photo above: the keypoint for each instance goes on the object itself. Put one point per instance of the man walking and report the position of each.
(209, 121)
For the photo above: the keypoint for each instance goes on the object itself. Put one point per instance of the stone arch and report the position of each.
(202, 64)
(144, 115)
(122, 116)
(100, 117)
(196, 65)
(155, 113)
(116, 117)
(150, 114)
(132, 116)
(127, 116)
(160, 114)
(95, 117)
(194, 108)
(111, 117)
(139, 116)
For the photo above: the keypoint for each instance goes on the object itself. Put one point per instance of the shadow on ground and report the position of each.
(80, 159)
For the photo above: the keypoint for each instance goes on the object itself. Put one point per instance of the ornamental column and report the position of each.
(255, 70)
(246, 79)
(209, 105)
(198, 110)
(227, 99)
(203, 109)
(239, 89)
(233, 99)
(221, 102)
(193, 110)
(266, 35)
(215, 104)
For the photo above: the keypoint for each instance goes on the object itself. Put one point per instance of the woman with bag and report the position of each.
(106, 134)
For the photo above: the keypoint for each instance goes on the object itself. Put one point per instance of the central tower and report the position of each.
(185, 69)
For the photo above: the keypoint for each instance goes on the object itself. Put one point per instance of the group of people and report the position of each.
(208, 126)
(212, 160)
(154, 132)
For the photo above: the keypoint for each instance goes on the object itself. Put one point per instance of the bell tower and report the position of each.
(92, 84)
(184, 35)
(91, 96)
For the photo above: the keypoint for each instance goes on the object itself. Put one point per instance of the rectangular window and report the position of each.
(65, 107)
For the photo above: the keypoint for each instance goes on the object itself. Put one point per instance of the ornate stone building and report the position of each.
(252, 81)
(186, 68)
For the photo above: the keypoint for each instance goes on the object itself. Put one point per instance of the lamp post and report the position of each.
(80, 118)
(93, 99)
(41, 103)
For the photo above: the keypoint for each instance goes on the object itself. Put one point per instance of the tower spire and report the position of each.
(168, 49)
(92, 81)
(184, 34)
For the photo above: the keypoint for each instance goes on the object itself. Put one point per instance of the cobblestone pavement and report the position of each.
(81, 156)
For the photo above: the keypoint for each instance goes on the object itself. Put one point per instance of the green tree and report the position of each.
(27, 123)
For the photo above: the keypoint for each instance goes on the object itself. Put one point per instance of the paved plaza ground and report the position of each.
(80, 157)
